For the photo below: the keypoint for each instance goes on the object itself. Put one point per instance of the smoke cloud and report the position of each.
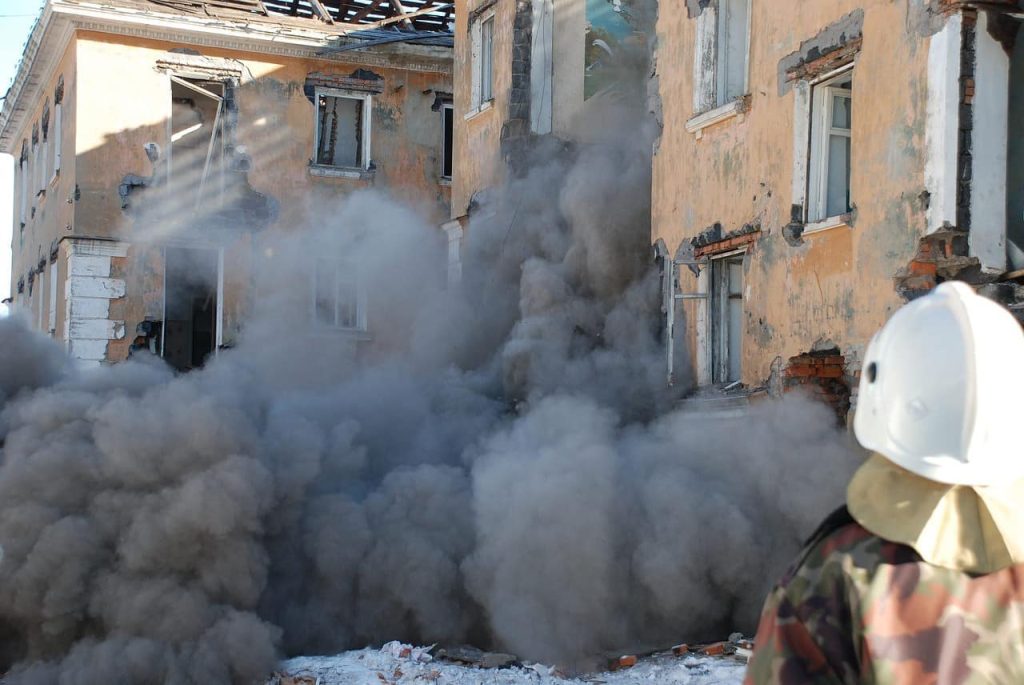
(502, 464)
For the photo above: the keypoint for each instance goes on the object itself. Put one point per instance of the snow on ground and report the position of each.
(387, 667)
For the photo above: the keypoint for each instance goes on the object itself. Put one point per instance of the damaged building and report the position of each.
(822, 163)
(156, 140)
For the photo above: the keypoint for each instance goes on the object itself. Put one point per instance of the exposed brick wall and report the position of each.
(822, 375)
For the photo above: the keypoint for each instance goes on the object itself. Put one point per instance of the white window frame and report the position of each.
(336, 269)
(367, 102)
(714, 53)
(721, 357)
(482, 63)
(447, 109)
(822, 93)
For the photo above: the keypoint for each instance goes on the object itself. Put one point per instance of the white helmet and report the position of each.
(940, 389)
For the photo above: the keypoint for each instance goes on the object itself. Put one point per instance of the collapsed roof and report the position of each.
(397, 16)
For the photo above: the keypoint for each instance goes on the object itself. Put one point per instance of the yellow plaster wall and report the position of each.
(477, 160)
(838, 285)
(124, 101)
(53, 210)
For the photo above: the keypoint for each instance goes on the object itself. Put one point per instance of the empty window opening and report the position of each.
(342, 128)
(726, 319)
(448, 139)
(190, 307)
(733, 43)
(831, 148)
(196, 159)
(338, 300)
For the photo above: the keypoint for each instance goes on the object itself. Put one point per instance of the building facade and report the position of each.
(821, 163)
(155, 141)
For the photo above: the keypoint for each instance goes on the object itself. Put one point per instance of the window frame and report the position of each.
(447, 143)
(723, 56)
(477, 99)
(711, 64)
(365, 133)
(720, 286)
(822, 94)
(337, 268)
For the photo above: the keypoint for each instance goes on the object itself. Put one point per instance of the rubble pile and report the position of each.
(719, 663)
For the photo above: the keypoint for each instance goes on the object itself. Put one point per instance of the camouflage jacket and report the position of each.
(858, 609)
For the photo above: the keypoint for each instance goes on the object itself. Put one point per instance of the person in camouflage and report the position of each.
(920, 578)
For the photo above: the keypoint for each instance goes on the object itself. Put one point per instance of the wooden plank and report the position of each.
(365, 12)
(403, 13)
(404, 17)
(322, 11)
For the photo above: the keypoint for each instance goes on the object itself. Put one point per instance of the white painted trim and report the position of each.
(801, 141)
(542, 67)
(942, 124)
(472, 114)
(989, 150)
(727, 111)
(324, 171)
(825, 225)
(367, 117)
(705, 56)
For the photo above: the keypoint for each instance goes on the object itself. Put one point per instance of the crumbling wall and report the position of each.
(800, 287)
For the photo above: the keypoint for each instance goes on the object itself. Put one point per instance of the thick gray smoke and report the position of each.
(502, 464)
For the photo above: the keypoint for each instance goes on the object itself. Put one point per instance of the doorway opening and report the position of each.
(726, 319)
(191, 282)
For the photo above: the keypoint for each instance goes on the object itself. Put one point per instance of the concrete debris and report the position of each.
(382, 667)
(471, 656)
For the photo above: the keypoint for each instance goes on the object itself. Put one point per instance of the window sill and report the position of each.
(697, 124)
(445, 181)
(825, 225)
(484, 106)
(324, 171)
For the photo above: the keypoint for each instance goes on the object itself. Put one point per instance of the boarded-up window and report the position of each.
(342, 129)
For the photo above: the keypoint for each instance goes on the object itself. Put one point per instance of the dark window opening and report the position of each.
(448, 114)
(190, 308)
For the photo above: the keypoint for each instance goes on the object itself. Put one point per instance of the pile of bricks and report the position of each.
(822, 375)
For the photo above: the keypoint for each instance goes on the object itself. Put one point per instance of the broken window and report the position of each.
(722, 54)
(726, 318)
(342, 137)
(482, 40)
(828, 179)
(197, 153)
(338, 300)
(448, 139)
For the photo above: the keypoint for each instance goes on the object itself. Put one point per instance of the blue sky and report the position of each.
(16, 20)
